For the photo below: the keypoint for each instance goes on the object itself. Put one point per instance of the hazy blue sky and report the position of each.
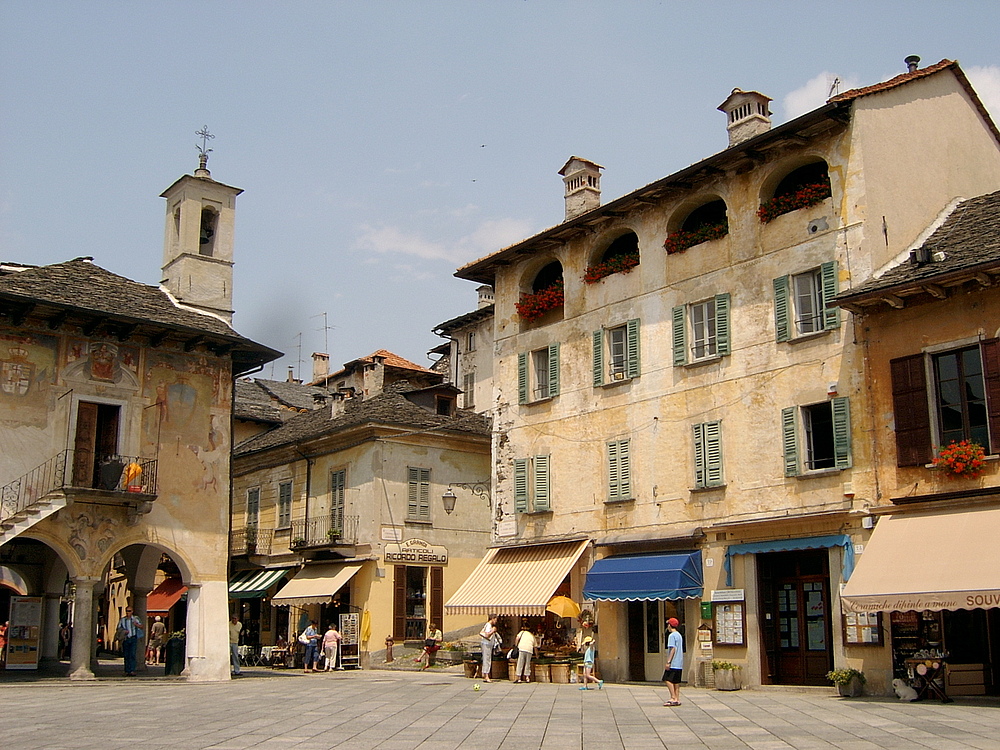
(383, 144)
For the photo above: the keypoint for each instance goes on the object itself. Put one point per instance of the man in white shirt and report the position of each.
(235, 628)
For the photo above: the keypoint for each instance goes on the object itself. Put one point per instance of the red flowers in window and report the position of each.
(964, 459)
(807, 195)
(617, 264)
(533, 306)
(678, 242)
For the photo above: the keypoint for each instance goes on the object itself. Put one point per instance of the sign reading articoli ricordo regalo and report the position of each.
(416, 552)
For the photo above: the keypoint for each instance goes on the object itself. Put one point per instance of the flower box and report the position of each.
(678, 242)
(617, 264)
(962, 460)
(805, 196)
(534, 306)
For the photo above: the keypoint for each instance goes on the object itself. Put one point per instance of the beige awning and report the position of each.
(516, 580)
(932, 561)
(315, 584)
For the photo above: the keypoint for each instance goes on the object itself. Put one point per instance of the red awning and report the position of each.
(164, 596)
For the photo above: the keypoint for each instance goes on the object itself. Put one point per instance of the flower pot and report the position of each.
(728, 679)
(541, 673)
(852, 689)
(560, 673)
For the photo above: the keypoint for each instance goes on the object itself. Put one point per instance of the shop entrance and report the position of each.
(647, 637)
(418, 600)
(795, 610)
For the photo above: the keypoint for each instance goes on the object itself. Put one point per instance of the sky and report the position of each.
(383, 144)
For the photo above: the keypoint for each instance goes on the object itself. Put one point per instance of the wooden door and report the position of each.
(85, 445)
(437, 596)
(399, 602)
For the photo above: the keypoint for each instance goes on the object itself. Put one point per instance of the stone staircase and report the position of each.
(24, 519)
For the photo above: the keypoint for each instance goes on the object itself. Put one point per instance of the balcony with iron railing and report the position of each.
(312, 533)
(78, 473)
(250, 540)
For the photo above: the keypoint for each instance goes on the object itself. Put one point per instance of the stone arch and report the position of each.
(698, 211)
(790, 173)
(615, 243)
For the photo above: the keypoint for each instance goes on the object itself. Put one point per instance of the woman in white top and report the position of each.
(489, 639)
(525, 644)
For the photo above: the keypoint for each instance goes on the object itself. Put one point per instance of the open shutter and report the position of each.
(632, 348)
(831, 284)
(399, 602)
(790, 440)
(437, 595)
(521, 485)
(624, 471)
(842, 432)
(910, 410)
(781, 318)
(699, 455)
(542, 483)
(722, 324)
(991, 377)
(554, 369)
(412, 492)
(713, 454)
(522, 378)
(679, 331)
(599, 357)
(613, 476)
(425, 494)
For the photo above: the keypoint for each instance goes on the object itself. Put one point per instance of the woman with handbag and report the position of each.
(489, 639)
(431, 646)
(525, 645)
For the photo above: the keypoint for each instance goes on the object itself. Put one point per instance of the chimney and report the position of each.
(747, 115)
(321, 365)
(583, 186)
(485, 296)
(911, 63)
(319, 399)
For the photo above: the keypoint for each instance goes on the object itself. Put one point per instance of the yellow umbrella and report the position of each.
(563, 606)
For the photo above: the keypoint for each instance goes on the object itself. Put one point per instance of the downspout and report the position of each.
(309, 463)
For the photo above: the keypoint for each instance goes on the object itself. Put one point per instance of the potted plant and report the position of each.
(850, 682)
(805, 196)
(678, 242)
(534, 306)
(964, 459)
(617, 264)
(728, 676)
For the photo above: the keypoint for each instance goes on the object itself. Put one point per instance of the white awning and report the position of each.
(315, 584)
(934, 561)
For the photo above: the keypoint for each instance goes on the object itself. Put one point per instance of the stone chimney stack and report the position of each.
(373, 377)
(485, 296)
(583, 186)
(321, 365)
(747, 115)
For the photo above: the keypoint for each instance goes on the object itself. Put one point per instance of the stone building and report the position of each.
(467, 355)
(679, 412)
(115, 410)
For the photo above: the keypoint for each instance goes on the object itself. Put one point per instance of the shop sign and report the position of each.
(392, 534)
(728, 595)
(416, 552)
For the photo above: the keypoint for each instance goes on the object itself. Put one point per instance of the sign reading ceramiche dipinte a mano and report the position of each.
(416, 552)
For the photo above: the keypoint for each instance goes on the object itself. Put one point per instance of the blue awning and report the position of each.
(790, 545)
(636, 578)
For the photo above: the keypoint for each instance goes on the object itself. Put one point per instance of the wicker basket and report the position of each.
(541, 673)
(560, 673)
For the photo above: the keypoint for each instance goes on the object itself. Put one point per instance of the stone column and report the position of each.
(83, 629)
(139, 610)
(50, 627)
(194, 638)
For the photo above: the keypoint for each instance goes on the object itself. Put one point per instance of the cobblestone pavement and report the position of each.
(439, 710)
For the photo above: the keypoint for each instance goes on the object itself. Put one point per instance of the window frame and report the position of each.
(529, 374)
(533, 484)
(470, 341)
(603, 354)
(284, 505)
(787, 315)
(682, 330)
(794, 438)
(619, 471)
(418, 499)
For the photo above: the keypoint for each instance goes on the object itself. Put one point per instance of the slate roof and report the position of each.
(252, 403)
(293, 395)
(463, 320)
(969, 239)
(388, 408)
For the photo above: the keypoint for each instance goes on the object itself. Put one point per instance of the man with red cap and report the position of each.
(675, 662)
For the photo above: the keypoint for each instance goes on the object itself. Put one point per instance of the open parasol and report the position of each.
(563, 606)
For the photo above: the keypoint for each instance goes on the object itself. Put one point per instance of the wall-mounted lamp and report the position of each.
(449, 498)
(479, 489)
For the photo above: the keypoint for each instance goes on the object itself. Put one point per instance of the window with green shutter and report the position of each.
(616, 353)
(284, 505)
(800, 302)
(338, 498)
(817, 436)
(418, 505)
(708, 454)
(532, 485)
(538, 374)
(619, 471)
(701, 330)
(521, 485)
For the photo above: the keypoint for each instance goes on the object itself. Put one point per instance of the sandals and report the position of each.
(672, 703)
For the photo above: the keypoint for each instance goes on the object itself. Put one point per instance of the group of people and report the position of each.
(327, 643)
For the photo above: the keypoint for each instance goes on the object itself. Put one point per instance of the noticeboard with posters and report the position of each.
(24, 634)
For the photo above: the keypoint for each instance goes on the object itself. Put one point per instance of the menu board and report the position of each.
(25, 632)
(730, 623)
(863, 628)
(349, 629)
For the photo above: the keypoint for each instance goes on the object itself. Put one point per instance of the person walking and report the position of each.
(129, 631)
(331, 646)
(525, 644)
(4, 627)
(235, 628)
(65, 636)
(589, 654)
(675, 662)
(157, 633)
(489, 638)
(431, 646)
(311, 661)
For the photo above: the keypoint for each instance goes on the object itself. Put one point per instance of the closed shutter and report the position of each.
(910, 411)
(437, 596)
(542, 502)
(781, 317)
(722, 324)
(522, 378)
(842, 432)
(790, 440)
(831, 285)
(599, 357)
(632, 348)
(679, 337)
(991, 377)
(521, 485)
(613, 475)
(418, 507)
(554, 369)
(699, 455)
(713, 454)
(399, 602)
(624, 471)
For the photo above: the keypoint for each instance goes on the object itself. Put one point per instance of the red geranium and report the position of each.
(533, 306)
(808, 195)
(617, 264)
(678, 242)
(964, 459)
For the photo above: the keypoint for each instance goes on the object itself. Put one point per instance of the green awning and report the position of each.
(253, 584)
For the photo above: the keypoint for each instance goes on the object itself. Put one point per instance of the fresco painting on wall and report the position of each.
(184, 390)
(102, 361)
(27, 365)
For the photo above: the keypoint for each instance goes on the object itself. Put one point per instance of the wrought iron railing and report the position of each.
(323, 531)
(79, 469)
(251, 540)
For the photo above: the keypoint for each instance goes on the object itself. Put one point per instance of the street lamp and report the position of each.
(479, 489)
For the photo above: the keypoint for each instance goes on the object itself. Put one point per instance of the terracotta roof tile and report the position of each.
(893, 82)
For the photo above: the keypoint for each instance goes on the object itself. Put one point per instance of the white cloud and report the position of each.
(985, 80)
(814, 93)
(484, 239)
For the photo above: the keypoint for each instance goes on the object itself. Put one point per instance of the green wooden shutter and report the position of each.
(790, 440)
(613, 475)
(699, 455)
(599, 357)
(632, 348)
(624, 471)
(522, 378)
(722, 324)
(412, 492)
(713, 454)
(542, 483)
(781, 319)
(831, 284)
(842, 432)
(679, 335)
(521, 485)
(425, 494)
(554, 369)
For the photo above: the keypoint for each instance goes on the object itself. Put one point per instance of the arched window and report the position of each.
(621, 256)
(708, 215)
(709, 221)
(546, 293)
(549, 275)
(209, 221)
(800, 188)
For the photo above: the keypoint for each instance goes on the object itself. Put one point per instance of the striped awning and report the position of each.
(253, 584)
(516, 580)
(164, 596)
(13, 580)
(315, 584)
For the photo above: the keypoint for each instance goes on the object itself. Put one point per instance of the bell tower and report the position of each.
(198, 241)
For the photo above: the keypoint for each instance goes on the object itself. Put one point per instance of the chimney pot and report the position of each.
(582, 179)
(485, 295)
(911, 63)
(747, 115)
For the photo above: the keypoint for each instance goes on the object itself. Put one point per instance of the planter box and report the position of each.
(728, 679)
(541, 673)
(560, 673)
(852, 689)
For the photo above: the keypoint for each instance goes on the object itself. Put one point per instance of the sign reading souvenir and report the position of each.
(416, 552)
(24, 632)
